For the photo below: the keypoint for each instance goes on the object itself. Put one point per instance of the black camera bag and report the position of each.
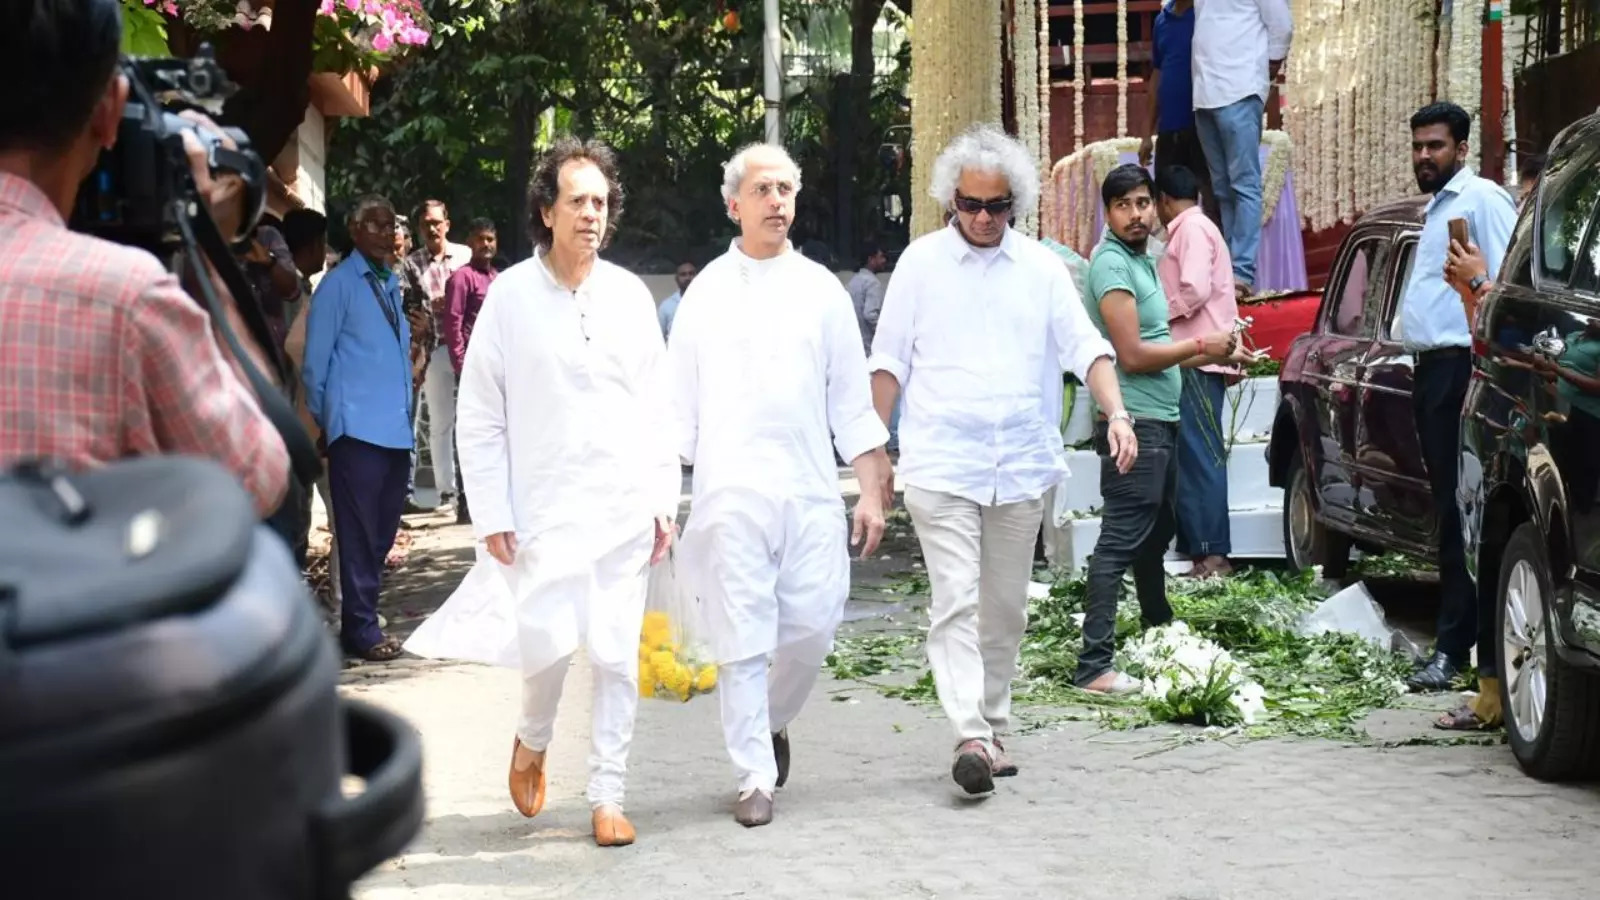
(169, 721)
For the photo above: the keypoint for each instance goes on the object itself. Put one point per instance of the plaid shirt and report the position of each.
(422, 282)
(106, 357)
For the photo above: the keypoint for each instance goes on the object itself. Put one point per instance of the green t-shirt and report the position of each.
(1116, 267)
(1582, 356)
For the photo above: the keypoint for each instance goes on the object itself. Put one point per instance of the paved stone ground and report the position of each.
(869, 811)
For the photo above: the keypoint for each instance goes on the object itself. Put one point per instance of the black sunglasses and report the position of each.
(974, 206)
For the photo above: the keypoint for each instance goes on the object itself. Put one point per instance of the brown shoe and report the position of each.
(973, 769)
(527, 785)
(753, 809)
(1001, 762)
(611, 827)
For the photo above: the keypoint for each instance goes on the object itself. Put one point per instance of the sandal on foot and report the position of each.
(1462, 718)
(383, 651)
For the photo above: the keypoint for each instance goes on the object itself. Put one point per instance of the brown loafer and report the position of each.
(753, 809)
(527, 785)
(611, 827)
(1001, 763)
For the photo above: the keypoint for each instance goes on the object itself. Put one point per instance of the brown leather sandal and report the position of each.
(385, 650)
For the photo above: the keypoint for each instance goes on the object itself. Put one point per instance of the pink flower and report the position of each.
(353, 5)
(170, 8)
(327, 9)
(382, 43)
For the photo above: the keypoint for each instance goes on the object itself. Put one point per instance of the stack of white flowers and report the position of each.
(1194, 677)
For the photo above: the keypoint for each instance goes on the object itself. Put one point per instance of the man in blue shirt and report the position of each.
(357, 374)
(669, 306)
(1170, 132)
(1434, 327)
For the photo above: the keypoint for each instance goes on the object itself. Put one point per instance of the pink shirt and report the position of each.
(1197, 275)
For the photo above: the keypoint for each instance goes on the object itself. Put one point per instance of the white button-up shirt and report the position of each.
(1233, 42)
(1431, 314)
(978, 341)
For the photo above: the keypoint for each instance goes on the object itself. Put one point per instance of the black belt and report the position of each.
(1443, 352)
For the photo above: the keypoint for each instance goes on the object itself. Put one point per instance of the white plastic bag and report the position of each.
(675, 658)
(1353, 611)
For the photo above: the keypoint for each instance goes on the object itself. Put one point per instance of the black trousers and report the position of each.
(1137, 522)
(1182, 148)
(1438, 393)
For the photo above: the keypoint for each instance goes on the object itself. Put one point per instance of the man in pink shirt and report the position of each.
(463, 298)
(1197, 275)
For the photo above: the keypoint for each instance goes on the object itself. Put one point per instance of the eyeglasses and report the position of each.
(374, 226)
(973, 206)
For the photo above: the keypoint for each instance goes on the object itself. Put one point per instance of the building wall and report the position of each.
(311, 175)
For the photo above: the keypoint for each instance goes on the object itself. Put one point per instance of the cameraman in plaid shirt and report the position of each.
(102, 354)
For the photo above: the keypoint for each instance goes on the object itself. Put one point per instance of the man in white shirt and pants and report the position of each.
(565, 434)
(1239, 49)
(978, 326)
(768, 364)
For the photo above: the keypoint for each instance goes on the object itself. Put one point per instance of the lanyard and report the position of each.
(392, 316)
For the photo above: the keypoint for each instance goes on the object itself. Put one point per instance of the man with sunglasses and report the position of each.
(978, 326)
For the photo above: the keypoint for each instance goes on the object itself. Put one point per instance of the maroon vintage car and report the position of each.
(1344, 443)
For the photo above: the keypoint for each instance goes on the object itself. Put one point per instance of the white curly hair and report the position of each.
(986, 148)
(734, 169)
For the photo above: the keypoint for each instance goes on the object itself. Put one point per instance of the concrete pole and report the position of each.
(772, 58)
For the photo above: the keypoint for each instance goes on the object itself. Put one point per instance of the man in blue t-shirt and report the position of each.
(1170, 132)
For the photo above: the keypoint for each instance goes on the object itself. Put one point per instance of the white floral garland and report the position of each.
(1122, 68)
(1465, 75)
(1079, 75)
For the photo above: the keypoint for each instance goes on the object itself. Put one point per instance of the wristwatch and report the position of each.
(1477, 282)
(1120, 415)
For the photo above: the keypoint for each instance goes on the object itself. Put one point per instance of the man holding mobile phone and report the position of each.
(1437, 330)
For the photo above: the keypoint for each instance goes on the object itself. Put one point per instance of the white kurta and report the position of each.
(565, 437)
(768, 364)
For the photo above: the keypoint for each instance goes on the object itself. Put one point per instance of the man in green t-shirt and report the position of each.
(1137, 518)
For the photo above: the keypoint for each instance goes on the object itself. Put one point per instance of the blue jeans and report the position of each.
(1202, 467)
(1231, 139)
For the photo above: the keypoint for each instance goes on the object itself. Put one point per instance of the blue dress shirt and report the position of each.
(1431, 314)
(357, 369)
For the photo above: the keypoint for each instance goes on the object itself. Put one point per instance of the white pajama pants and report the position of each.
(773, 573)
(604, 608)
(439, 392)
(757, 701)
(979, 559)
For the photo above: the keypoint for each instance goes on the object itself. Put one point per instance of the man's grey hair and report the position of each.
(367, 203)
(733, 170)
(985, 148)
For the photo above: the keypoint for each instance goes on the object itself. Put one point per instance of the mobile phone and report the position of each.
(1458, 231)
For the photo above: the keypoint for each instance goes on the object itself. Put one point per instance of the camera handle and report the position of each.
(200, 232)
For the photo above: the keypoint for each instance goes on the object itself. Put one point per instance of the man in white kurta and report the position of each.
(564, 429)
(978, 326)
(768, 365)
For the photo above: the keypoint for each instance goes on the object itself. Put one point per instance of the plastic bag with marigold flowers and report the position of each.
(674, 654)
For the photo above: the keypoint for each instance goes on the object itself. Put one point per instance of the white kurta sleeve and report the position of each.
(682, 370)
(482, 439)
(1077, 342)
(664, 478)
(891, 343)
(855, 424)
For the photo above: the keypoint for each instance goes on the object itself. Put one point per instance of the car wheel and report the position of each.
(1306, 541)
(1552, 709)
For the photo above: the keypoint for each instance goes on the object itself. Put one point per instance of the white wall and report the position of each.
(311, 180)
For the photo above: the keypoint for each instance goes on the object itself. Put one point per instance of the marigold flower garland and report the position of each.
(1122, 68)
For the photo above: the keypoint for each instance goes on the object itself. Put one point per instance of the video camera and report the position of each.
(143, 187)
(142, 193)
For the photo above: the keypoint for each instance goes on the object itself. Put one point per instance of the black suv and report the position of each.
(1530, 466)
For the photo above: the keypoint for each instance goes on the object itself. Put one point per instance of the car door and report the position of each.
(1395, 499)
(1333, 365)
(1567, 277)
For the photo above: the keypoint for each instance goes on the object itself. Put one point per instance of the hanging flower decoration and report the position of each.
(350, 35)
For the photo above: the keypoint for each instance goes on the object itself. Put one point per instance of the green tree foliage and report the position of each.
(673, 85)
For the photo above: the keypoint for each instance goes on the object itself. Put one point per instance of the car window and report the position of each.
(1355, 300)
(1567, 198)
(1588, 274)
(1408, 257)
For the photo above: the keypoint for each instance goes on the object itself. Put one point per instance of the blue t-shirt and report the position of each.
(1170, 48)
